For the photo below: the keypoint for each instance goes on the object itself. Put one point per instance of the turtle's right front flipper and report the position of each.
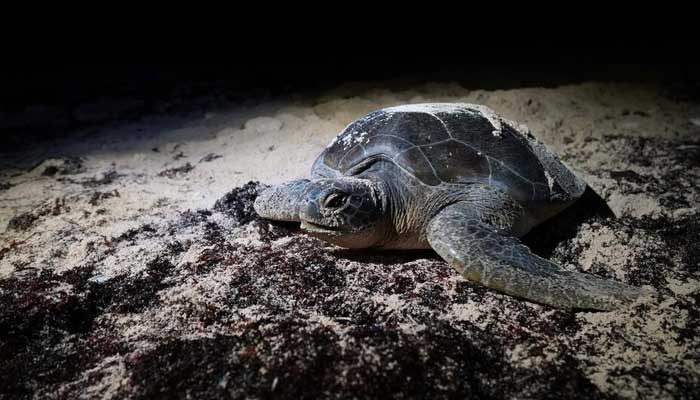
(491, 257)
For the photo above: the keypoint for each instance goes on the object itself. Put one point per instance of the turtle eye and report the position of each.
(334, 200)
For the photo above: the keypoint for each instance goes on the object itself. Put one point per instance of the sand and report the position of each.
(132, 264)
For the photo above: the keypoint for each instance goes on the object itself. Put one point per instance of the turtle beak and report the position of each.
(282, 202)
(313, 228)
(311, 218)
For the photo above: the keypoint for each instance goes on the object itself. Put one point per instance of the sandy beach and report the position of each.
(132, 264)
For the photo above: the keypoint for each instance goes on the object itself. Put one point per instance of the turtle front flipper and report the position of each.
(493, 258)
(282, 202)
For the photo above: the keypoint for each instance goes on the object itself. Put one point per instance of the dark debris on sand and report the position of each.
(22, 222)
(67, 166)
(107, 178)
(293, 318)
(177, 171)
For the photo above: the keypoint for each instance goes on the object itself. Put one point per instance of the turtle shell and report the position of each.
(451, 144)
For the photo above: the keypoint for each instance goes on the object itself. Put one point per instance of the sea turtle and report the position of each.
(456, 178)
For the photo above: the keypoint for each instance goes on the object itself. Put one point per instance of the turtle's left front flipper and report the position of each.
(489, 256)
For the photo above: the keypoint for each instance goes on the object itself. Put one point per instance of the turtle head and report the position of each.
(349, 212)
(345, 211)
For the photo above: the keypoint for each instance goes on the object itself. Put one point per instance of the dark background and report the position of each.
(40, 101)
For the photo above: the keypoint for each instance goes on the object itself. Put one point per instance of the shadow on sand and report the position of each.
(544, 238)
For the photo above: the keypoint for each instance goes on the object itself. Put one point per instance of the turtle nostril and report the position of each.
(334, 200)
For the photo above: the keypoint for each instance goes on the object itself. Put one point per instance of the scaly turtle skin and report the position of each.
(456, 178)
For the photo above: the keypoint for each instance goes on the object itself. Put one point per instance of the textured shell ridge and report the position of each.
(447, 108)
(452, 143)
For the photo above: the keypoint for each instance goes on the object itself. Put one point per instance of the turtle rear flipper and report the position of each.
(493, 258)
